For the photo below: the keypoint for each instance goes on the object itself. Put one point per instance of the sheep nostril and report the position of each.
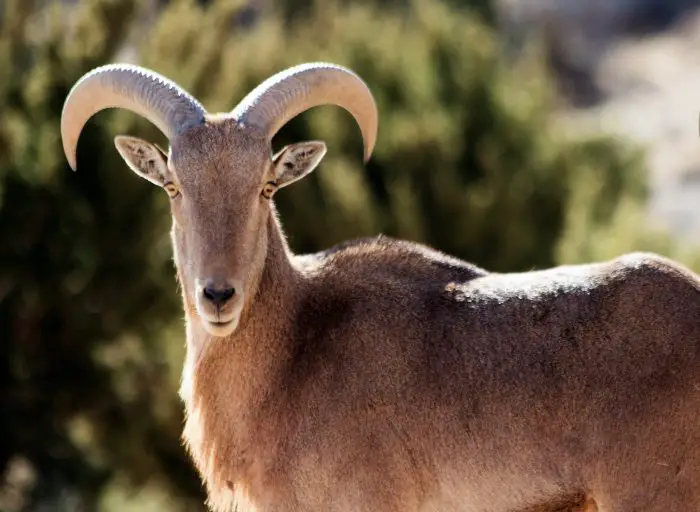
(218, 296)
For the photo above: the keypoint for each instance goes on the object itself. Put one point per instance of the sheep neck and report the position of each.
(229, 384)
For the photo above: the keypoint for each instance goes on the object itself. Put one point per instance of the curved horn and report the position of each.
(289, 93)
(134, 88)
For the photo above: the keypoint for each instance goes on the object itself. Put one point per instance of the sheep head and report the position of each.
(219, 172)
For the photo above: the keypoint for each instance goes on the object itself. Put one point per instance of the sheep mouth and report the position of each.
(220, 328)
(219, 323)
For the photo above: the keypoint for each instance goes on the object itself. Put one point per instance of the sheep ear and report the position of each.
(145, 159)
(295, 161)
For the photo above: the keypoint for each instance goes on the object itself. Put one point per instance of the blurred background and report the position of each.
(517, 134)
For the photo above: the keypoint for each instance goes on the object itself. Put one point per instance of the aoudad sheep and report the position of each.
(382, 375)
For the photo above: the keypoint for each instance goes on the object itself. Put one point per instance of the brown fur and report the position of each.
(384, 376)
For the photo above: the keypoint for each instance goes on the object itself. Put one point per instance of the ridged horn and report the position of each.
(289, 93)
(134, 88)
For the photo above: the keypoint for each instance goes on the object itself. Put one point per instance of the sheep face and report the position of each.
(219, 172)
(221, 179)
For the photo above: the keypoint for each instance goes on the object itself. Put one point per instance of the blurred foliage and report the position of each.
(299, 10)
(466, 161)
(86, 283)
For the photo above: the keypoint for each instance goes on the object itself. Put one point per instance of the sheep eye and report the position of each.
(171, 189)
(269, 189)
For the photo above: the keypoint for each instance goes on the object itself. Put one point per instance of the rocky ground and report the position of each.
(630, 67)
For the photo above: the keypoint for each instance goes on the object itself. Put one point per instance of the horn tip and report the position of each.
(72, 163)
(369, 149)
